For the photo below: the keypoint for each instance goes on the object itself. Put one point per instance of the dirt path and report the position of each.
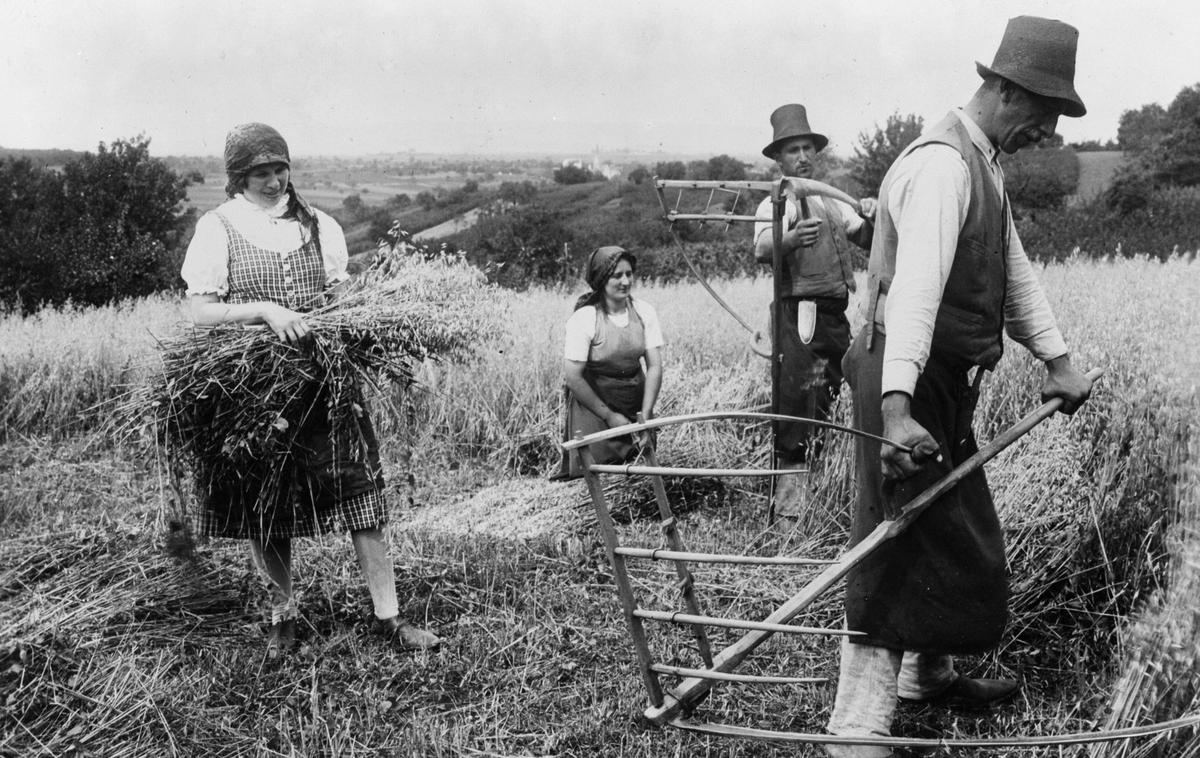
(453, 226)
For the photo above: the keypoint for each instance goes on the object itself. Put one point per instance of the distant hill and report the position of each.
(41, 157)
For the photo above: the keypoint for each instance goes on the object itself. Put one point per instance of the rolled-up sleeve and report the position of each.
(333, 249)
(206, 264)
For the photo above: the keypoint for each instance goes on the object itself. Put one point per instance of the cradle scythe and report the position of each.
(691, 690)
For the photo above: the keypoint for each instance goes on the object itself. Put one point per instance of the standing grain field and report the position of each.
(114, 645)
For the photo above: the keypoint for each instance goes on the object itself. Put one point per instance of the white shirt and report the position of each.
(206, 264)
(928, 198)
(581, 329)
(833, 208)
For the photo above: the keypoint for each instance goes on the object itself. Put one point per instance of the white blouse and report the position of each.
(206, 264)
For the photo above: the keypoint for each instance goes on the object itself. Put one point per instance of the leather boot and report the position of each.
(791, 495)
(407, 636)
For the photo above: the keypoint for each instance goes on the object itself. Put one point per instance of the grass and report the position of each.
(115, 645)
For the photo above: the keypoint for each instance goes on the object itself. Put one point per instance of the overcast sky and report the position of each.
(542, 76)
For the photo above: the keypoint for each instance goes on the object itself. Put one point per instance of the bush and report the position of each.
(716, 259)
(572, 174)
(1040, 177)
(670, 170)
(520, 246)
(1167, 222)
(517, 193)
(109, 226)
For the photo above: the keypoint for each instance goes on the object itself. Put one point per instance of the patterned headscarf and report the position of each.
(250, 145)
(255, 144)
(600, 265)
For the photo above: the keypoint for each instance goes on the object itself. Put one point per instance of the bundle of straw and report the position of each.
(230, 401)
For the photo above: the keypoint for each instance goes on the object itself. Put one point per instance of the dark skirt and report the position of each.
(622, 394)
(941, 586)
(810, 376)
(322, 492)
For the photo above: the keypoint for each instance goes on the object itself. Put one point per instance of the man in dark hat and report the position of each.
(816, 281)
(947, 275)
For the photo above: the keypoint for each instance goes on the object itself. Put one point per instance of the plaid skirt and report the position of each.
(322, 491)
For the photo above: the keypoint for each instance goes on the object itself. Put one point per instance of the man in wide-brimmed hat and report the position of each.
(817, 279)
(947, 275)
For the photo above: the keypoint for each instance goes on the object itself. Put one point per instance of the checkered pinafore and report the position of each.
(295, 280)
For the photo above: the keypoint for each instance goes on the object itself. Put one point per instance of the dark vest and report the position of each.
(970, 318)
(825, 269)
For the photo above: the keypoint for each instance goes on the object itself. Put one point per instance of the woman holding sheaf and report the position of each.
(265, 257)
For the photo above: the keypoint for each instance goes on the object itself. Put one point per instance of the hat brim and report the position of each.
(1073, 105)
(819, 140)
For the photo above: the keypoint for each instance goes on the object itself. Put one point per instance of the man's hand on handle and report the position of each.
(805, 233)
(1062, 381)
(1067, 382)
(899, 425)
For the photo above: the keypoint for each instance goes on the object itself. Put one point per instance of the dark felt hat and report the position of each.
(790, 121)
(1039, 54)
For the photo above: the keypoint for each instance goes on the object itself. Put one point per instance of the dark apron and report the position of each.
(315, 479)
(941, 586)
(614, 372)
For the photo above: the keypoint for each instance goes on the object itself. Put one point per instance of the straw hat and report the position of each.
(791, 121)
(1039, 54)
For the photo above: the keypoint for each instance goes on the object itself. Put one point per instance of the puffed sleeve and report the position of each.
(580, 330)
(206, 263)
(333, 249)
(652, 324)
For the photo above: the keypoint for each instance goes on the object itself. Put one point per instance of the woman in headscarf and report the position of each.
(612, 359)
(265, 257)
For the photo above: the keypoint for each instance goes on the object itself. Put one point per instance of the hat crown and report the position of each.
(1039, 54)
(788, 121)
(1039, 44)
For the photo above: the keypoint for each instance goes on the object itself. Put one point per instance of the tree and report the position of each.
(109, 226)
(427, 200)
(875, 153)
(1165, 150)
(1040, 177)
(670, 170)
(123, 185)
(726, 168)
(517, 193)
(399, 202)
(639, 174)
(572, 174)
(520, 246)
(1177, 157)
(1139, 131)
(353, 205)
(697, 170)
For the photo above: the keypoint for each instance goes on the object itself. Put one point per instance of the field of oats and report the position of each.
(118, 638)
